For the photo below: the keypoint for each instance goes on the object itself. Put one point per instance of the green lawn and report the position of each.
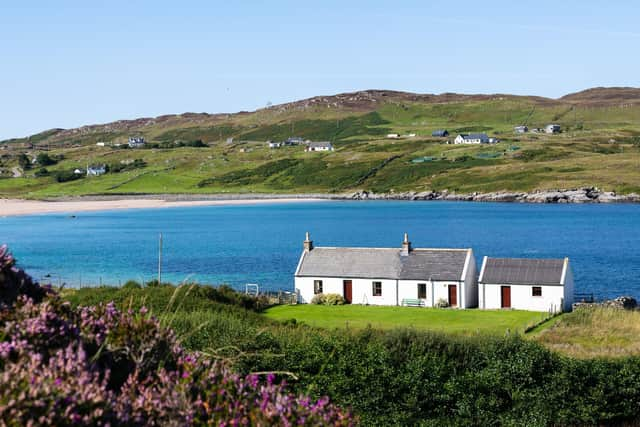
(434, 319)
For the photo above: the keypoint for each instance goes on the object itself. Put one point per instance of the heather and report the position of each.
(99, 365)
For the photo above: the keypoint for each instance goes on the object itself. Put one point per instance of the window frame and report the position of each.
(534, 293)
(374, 292)
(317, 286)
(424, 285)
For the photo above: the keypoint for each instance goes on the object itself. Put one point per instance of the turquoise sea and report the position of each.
(262, 243)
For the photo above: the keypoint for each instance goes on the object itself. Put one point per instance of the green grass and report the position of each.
(593, 332)
(495, 322)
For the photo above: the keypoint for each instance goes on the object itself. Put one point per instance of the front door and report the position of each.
(506, 296)
(453, 296)
(347, 291)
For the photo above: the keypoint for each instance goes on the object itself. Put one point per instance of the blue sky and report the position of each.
(70, 63)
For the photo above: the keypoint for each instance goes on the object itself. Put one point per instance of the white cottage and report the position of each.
(472, 138)
(389, 276)
(526, 284)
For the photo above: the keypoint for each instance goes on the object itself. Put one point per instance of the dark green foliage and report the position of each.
(43, 159)
(327, 130)
(67, 175)
(131, 284)
(24, 161)
(14, 282)
(251, 176)
(400, 377)
(41, 172)
(121, 167)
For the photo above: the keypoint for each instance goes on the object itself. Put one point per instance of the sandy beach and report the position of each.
(16, 207)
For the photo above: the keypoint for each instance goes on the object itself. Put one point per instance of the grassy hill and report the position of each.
(599, 146)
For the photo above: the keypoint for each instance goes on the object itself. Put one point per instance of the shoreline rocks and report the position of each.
(580, 195)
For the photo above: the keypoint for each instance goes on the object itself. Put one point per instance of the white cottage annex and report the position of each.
(526, 284)
(388, 276)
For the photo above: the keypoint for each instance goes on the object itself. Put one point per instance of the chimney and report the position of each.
(406, 245)
(308, 243)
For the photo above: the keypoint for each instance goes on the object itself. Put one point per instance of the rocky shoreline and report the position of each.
(578, 195)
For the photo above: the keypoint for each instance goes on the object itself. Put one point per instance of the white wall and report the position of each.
(362, 289)
(408, 289)
(551, 300)
(569, 288)
(471, 283)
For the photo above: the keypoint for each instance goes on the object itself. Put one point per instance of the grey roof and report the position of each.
(321, 144)
(523, 271)
(384, 263)
(476, 136)
(439, 132)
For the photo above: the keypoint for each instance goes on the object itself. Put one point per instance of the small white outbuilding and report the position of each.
(526, 284)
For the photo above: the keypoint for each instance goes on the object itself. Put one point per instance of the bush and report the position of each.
(41, 172)
(333, 299)
(318, 299)
(132, 284)
(327, 299)
(442, 303)
(43, 159)
(67, 175)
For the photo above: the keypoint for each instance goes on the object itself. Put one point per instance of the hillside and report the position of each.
(217, 153)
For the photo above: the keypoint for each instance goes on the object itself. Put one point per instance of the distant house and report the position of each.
(273, 144)
(526, 284)
(100, 144)
(78, 171)
(388, 276)
(440, 133)
(472, 138)
(96, 170)
(136, 142)
(552, 128)
(294, 140)
(230, 140)
(393, 135)
(319, 146)
(521, 129)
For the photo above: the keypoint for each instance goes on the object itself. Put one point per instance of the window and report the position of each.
(377, 289)
(317, 286)
(422, 290)
(536, 291)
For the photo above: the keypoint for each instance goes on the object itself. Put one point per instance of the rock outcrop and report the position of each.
(579, 195)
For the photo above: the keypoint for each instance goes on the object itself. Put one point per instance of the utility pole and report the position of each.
(160, 260)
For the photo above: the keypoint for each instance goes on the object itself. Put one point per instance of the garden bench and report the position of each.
(412, 302)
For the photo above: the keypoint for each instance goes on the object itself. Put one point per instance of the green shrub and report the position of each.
(132, 284)
(333, 299)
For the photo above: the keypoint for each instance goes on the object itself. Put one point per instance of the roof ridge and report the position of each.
(392, 248)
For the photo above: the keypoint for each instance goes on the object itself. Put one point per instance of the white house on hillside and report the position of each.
(526, 284)
(472, 138)
(388, 276)
(319, 146)
(96, 170)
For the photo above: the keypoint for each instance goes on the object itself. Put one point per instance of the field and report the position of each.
(598, 332)
(496, 322)
(599, 146)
